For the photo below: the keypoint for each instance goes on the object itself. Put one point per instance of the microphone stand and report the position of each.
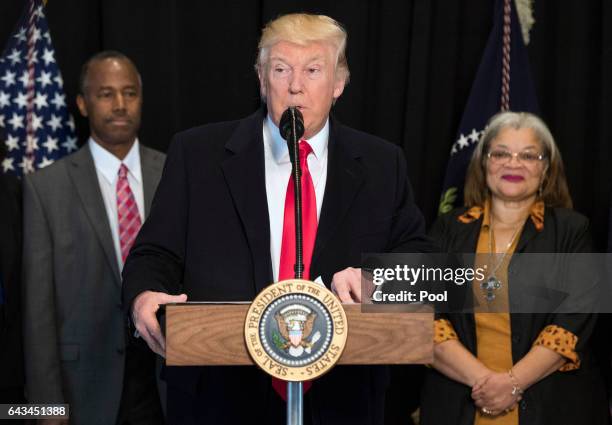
(296, 170)
(295, 394)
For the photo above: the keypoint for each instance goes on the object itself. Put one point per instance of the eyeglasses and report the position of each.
(502, 157)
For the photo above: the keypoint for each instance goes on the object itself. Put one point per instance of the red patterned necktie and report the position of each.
(309, 233)
(127, 213)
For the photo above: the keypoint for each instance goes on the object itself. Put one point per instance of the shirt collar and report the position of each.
(536, 213)
(108, 164)
(278, 145)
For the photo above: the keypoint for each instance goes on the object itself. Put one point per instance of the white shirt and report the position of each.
(107, 168)
(278, 171)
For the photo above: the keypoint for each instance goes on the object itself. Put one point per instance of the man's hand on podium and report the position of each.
(346, 284)
(143, 315)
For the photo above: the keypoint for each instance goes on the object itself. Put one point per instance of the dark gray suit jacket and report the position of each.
(74, 326)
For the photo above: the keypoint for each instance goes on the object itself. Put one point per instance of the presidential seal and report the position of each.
(295, 330)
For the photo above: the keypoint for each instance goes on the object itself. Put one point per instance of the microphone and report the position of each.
(291, 128)
(291, 119)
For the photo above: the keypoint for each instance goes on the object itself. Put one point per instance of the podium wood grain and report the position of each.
(213, 335)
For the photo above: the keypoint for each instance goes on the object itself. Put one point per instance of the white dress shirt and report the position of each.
(278, 171)
(107, 168)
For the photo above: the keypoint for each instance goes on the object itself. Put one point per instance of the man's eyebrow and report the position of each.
(316, 58)
(310, 60)
(128, 86)
(277, 58)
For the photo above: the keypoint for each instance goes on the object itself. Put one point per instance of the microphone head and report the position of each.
(290, 116)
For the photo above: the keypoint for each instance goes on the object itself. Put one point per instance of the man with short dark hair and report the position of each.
(81, 216)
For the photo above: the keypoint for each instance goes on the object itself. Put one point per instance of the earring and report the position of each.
(540, 189)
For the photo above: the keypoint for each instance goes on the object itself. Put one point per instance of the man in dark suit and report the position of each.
(81, 215)
(11, 354)
(217, 232)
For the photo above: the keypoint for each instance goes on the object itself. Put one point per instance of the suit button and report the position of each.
(120, 351)
(523, 405)
(516, 338)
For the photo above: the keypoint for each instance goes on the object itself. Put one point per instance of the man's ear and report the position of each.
(80, 101)
(339, 87)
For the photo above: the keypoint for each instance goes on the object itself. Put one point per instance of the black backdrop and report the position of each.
(412, 65)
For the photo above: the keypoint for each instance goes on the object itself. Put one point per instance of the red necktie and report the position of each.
(309, 233)
(127, 213)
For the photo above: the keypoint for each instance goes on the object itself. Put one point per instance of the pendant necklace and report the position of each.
(493, 283)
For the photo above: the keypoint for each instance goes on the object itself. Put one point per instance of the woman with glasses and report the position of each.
(503, 368)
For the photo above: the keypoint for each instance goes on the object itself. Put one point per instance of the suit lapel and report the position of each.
(345, 175)
(466, 238)
(83, 175)
(244, 172)
(529, 231)
(151, 165)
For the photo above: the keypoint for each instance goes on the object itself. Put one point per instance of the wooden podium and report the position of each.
(212, 334)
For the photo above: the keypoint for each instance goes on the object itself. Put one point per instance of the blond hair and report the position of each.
(553, 191)
(304, 28)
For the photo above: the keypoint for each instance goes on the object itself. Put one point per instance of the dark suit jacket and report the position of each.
(573, 398)
(11, 356)
(74, 327)
(208, 236)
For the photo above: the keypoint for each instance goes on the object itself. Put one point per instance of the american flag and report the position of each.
(503, 82)
(33, 111)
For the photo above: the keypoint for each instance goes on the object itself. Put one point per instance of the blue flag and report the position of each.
(485, 98)
(33, 112)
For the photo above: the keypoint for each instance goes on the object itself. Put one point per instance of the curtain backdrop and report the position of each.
(412, 64)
